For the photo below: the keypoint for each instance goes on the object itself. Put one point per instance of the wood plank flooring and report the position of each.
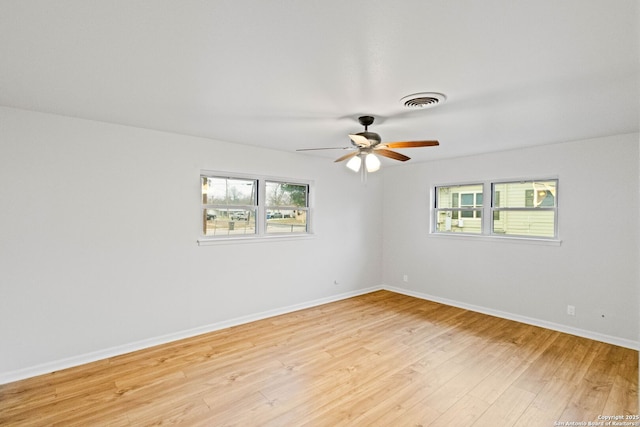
(380, 359)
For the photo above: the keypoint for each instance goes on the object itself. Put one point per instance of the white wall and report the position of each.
(595, 268)
(99, 222)
(98, 230)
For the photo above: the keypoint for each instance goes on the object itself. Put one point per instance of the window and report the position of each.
(229, 205)
(517, 209)
(526, 208)
(287, 207)
(459, 208)
(241, 206)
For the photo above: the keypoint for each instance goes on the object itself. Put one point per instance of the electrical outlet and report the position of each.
(571, 310)
(405, 278)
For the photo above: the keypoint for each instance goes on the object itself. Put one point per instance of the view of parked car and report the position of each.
(240, 215)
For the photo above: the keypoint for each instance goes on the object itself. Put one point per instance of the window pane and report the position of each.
(228, 191)
(525, 223)
(448, 197)
(525, 194)
(456, 209)
(224, 222)
(281, 213)
(285, 194)
(286, 221)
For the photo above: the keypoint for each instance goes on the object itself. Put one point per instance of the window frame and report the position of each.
(231, 207)
(267, 207)
(495, 211)
(260, 209)
(491, 213)
(457, 209)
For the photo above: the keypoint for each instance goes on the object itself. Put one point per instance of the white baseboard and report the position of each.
(622, 342)
(57, 365)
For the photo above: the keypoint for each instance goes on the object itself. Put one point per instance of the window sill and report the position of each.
(485, 238)
(253, 239)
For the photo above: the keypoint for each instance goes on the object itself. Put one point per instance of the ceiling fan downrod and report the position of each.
(366, 121)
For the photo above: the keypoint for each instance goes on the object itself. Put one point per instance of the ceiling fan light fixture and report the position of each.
(423, 100)
(372, 162)
(355, 163)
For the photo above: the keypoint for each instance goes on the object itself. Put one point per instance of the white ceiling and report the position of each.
(289, 74)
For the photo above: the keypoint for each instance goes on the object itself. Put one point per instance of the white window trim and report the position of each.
(232, 240)
(260, 235)
(496, 238)
(487, 234)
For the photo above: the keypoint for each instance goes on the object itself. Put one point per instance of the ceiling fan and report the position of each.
(368, 144)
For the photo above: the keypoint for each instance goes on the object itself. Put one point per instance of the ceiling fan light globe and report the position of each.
(355, 163)
(372, 162)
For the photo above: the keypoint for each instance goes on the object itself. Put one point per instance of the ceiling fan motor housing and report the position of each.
(373, 137)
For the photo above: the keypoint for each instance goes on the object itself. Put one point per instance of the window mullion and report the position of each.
(487, 211)
(260, 219)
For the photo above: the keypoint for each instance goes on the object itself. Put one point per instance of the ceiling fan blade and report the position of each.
(326, 148)
(347, 156)
(360, 140)
(391, 154)
(411, 144)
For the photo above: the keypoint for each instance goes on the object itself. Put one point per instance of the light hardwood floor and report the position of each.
(379, 359)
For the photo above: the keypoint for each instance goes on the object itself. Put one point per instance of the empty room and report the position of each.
(336, 213)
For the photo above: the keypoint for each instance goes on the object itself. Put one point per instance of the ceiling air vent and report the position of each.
(423, 100)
